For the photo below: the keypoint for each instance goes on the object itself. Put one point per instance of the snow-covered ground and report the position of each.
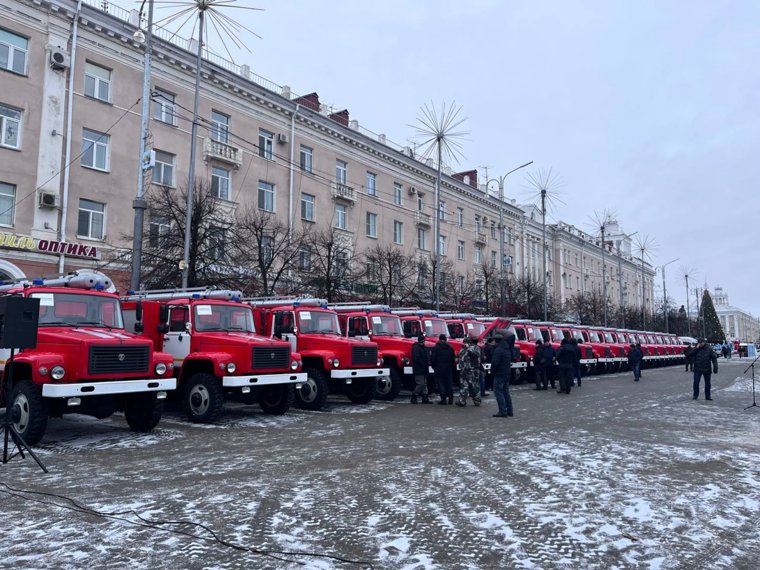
(616, 475)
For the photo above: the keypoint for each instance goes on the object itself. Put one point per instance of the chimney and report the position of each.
(340, 117)
(310, 101)
(469, 177)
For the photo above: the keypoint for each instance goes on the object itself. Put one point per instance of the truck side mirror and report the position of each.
(139, 327)
(163, 313)
(139, 311)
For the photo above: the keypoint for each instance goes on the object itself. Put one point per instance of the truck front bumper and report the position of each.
(83, 389)
(352, 373)
(263, 380)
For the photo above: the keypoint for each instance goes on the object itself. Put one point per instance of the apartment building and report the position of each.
(736, 323)
(67, 180)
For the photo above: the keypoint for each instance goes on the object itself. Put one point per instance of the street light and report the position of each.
(500, 180)
(665, 291)
(620, 275)
(139, 204)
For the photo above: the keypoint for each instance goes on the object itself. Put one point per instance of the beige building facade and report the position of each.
(736, 323)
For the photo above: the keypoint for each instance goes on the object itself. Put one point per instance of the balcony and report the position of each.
(220, 151)
(479, 237)
(343, 192)
(423, 219)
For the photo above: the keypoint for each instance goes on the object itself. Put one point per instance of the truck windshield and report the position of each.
(578, 335)
(435, 327)
(323, 322)
(79, 309)
(557, 335)
(534, 334)
(387, 326)
(609, 338)
(216, 317)
(594, 336)
(521, 333)
(475, 329)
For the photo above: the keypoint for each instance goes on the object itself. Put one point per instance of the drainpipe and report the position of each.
(291, 174)
(69, 121)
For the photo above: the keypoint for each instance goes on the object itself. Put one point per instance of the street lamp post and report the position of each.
(140, 204)
(688, 308)
(665, 291)
(620, 275)
(500, 180)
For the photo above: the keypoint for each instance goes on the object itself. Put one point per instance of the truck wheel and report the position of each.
(313, 392)
(277, 399)
(361, 390)
(143, 411)
(388, 387)
(203, 398)
(32, 411)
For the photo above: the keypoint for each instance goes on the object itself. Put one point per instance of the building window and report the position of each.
(460, 284)
(159, 232)
(220, 183)
(371, 225)
(422, 239)
(266, 144)
(220, 127)
(217, 243)
(164, 106)
(398, 232)
(7, 203)
(373, 271)
(441, 245)
(13, 50)
(477, 224)
(460, 249)
(341, 264)
(493, 230)
(420, 202)
(266, 196)
(371, 184)
(493, 258)
(307, 159)
(307, 207)
(460, 217)
(267, 249)
(304, 259)
(95, 149)
(340, 216)
(442, 211)
(91, 219)
(478, 254)
(10, 127)
(398, 197)
(163, 171)
(341, 172)
(97, 82)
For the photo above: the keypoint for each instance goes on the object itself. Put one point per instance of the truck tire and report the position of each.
(143, 411)
(276, 399)
(313, 392)
(32, 409)
(203, 398)
(361, 390)
(388, 388)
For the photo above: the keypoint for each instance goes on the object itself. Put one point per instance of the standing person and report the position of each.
(469, 372)
(501, 366)
(442, 361)
(705, 362)
(687, 353)
(420, 365)
(566, 361)
(544, 363)
(577, 366)
(487, 356)
(538, 365)
(635, 356)
(724, 349)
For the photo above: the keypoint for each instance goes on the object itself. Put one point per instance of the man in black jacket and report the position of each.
(501, 366)
(705, 361)
(420, 365)
(442, 361)
(566, 358)
(543, 363)
(635, 356)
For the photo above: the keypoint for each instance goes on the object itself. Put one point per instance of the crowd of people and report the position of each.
(499, 351)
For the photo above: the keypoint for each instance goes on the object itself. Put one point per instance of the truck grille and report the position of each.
(118, 359)
(270, 357)
(607, 352)
(364, 355)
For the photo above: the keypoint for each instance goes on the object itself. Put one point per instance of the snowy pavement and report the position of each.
(616, 475)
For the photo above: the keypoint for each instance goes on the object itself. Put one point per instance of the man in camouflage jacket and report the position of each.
(469, 372)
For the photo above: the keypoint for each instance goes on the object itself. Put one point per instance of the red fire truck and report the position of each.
(85, 362)
(217, 353)
(462, 325)
(332, 362)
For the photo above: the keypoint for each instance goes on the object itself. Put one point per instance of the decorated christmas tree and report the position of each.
(713, 329)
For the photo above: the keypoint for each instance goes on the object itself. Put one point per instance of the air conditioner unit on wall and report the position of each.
(282, 138)
(48, 200)
(412, 190)
(59, 59)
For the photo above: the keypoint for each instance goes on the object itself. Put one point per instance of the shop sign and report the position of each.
(28, 243)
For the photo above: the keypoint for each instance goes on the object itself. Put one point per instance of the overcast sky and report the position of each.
(648, 109)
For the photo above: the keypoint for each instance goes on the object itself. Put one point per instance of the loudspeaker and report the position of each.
(19, 319)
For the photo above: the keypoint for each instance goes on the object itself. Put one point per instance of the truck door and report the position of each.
(284, 328)
(177, 340)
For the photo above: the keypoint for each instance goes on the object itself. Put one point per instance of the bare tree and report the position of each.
(429, 269)
(330, 269)
(460, 293)
(488, 276)
(392, 271)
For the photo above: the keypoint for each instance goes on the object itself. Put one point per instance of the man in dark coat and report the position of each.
(635, 356)
(543, 363)
(420, 365)
(705, 363)
(688, 354)
(442, 360)
(566, 361)
(487, 356)
(501, 366)
(577, 366)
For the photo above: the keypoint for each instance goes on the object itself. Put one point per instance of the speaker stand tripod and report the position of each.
(11, 416)
(752, 366)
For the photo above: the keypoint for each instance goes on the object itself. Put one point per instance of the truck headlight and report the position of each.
(57, 372)
(294, 365)
(335, 362)
(231, 367)
(160, 368)
(379, 361)
(405, 361)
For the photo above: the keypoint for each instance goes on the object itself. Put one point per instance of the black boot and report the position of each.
(443, 401)
(451, 400)
(414, 400)
(425, 399)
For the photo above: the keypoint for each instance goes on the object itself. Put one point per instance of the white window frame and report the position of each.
(460, 217)
(10, 118)
(220, 127)
(478, 254)
(422, 239)
(222, 179)
(92, 214)
(267, 248)
(442, 210)
(460, 250)
(340, 216)
(12, 43)
(266, 193)
(308, 207)
(157, 237)
(398, 232)
(162, 168)
(266, 144)
(7, 204)
(398, 194)
(304, 259)
(372, 225)
(341, 172)
(307, 159)
(442, 245)
(371, 183)
(165, 107)
(217, 249)
(493, 230)
(95, 82)
(494, 258)
(99, 143)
